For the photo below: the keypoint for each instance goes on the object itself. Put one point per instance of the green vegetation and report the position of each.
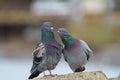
(96, 32)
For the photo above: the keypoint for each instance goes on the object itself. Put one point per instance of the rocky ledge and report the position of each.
(96, 75)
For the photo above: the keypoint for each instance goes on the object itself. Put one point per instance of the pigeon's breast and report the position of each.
(75, 58)
(53, 56)
(72, 47)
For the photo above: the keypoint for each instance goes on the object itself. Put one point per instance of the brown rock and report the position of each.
(97, 75)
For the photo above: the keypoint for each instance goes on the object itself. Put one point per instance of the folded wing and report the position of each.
(86, 49)
(38, 55)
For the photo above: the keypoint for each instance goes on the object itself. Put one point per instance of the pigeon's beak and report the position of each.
(51, 28)
(58, 31)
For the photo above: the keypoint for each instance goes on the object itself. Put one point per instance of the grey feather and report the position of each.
(86, 49)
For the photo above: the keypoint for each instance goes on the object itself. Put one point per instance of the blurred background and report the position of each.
(95, 21)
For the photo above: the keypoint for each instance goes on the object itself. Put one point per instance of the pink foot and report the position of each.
(50, 74)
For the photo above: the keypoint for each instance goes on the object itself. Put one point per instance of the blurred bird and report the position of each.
(76, 52)
(47, 53)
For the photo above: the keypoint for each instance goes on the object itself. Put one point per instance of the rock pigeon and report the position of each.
(47, 53)
(76, 52)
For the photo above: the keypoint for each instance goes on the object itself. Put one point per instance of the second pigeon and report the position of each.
(76, 52)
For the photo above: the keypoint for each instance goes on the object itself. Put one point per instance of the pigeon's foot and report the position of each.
(80, 69)
(50, 74)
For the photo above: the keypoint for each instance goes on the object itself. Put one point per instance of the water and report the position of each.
(14, 69)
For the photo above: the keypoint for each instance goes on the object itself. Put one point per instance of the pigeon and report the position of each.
(47, 53)
(76, 52)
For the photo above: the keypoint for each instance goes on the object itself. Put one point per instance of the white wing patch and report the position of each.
(86, 48)
(39, 50)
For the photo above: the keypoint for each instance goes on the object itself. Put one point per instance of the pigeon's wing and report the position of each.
(86, 49)
(38, 55)
(39, 50)
(37, 58)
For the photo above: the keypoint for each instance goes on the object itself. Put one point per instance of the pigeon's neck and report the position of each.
(47, 36)
(69, 45)
(68, 41)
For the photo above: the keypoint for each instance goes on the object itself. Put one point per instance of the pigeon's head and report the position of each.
(65, 36)
(47, 26)
(63, 32)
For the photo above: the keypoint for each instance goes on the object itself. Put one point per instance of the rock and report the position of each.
(114, 79)
(97, 75)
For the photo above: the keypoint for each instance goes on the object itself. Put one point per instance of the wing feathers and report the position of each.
(86, 49)
(39, 50)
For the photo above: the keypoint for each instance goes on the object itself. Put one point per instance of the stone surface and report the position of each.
(97, 75)
(114, 79)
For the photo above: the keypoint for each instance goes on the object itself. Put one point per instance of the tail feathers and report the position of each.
(34, 74)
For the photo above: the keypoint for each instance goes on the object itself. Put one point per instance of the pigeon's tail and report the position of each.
(34, 74)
